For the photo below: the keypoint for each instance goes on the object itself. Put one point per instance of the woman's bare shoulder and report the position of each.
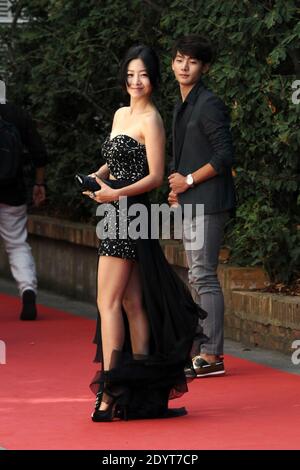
(122, 111)
(153, 118)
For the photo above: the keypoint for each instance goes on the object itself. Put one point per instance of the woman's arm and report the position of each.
(103, 172)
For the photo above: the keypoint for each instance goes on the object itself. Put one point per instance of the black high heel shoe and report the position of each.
(103, 415)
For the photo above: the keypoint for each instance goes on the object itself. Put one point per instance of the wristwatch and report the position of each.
(189, 180)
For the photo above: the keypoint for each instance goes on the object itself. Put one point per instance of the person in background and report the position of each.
(18, 132)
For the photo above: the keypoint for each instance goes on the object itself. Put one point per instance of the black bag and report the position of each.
(10, 152)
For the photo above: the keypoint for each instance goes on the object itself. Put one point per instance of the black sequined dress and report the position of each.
(127, 162)
(143, 385)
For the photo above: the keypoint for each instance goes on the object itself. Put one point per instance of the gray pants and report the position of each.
(13, 231)
(203, 279)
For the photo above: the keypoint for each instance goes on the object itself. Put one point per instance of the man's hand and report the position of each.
(38, 195)
(172, 199)
(178, 183)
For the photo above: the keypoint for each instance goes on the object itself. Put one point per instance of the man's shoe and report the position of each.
(190, 372)
(174, 413)
(203, 368)
(29, 307)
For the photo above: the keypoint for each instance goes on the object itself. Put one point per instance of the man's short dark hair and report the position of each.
(197, 47)
(150, 59)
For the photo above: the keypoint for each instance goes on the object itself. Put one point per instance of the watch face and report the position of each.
(190, 179)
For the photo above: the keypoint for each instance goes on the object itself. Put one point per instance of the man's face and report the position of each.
(188, 70)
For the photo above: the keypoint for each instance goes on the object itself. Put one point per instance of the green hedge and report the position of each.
(63, 65)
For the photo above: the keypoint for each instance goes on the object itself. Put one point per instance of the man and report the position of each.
(17, 128)
(201, 166)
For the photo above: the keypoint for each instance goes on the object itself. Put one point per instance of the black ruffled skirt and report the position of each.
(143, 385)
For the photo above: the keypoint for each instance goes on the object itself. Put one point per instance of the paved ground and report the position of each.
(261, 356)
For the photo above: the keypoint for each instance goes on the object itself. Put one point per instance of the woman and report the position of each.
(147, 316)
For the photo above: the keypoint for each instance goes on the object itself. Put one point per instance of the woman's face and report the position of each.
(138, 81)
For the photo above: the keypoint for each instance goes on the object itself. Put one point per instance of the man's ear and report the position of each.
(206, 68)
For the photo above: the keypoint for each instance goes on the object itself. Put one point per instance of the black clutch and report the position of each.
(87, 183)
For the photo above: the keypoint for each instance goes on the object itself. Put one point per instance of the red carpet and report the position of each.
(45, 402)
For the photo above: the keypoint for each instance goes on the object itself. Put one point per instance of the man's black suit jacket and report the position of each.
(201, 136)
(15, 194)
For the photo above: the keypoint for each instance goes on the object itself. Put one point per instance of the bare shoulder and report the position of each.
(153, 120)
(121, 112)
(119, 116)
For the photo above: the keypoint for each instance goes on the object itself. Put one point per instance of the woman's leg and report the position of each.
(137, 317)
(113, 276)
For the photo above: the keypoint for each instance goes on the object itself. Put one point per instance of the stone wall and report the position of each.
(66, 260)
(65, 254)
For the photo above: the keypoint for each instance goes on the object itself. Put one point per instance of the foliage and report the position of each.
(63, 65)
